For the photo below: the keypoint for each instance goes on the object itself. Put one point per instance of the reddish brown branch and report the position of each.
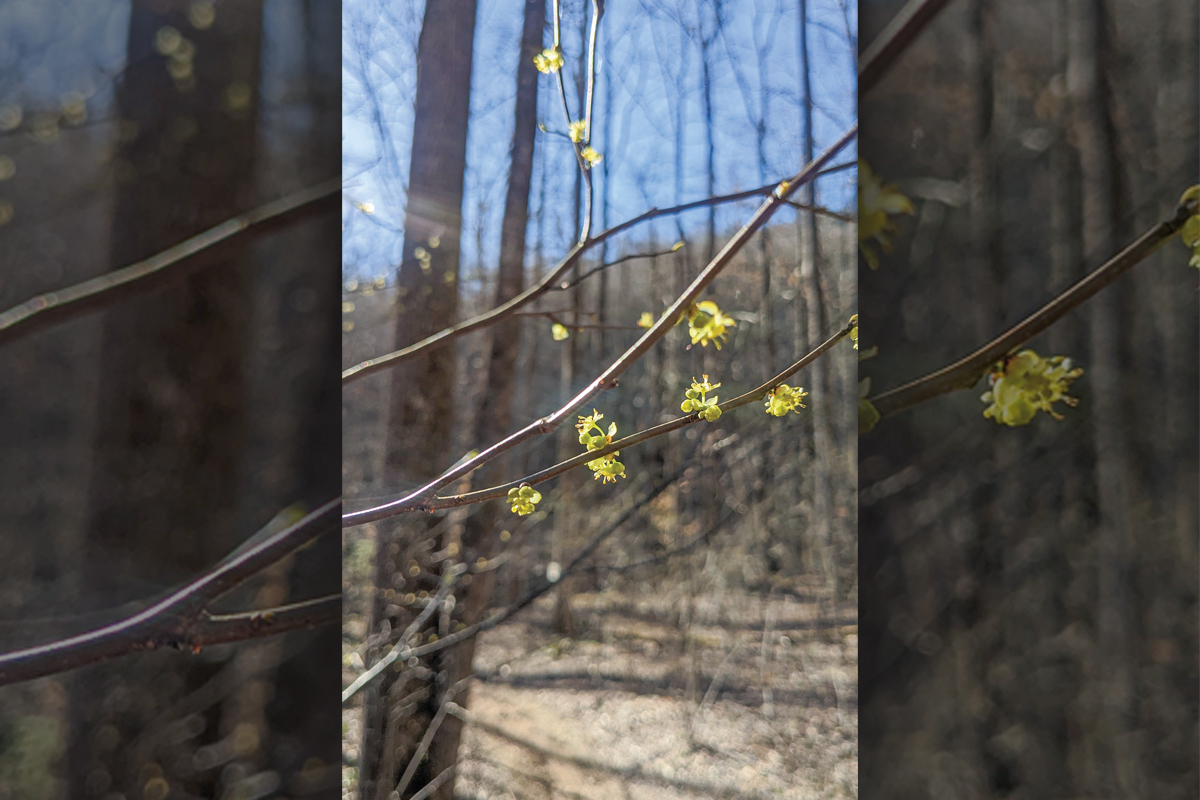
(894, 39)
(175, 262)
(549, 282)
(180, 619)
(419, 499)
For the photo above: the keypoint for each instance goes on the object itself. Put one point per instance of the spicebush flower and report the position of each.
(784, 398)
(523, 499)
(696, 401)
(707, 323)
(549, 60)
(1027, 383)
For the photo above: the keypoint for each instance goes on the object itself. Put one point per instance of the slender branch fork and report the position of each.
(181, 619)
(966, 372)
(608, 379)
(104, 290)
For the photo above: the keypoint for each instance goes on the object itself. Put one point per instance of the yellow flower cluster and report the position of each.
(696, 401)
(549, 60)
(784, 398)
(876, 201)
(605, 467)
(706, 323)
(1190, 232)
(1027, 383)
(523, 499)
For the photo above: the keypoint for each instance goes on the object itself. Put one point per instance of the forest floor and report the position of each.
(749, 697)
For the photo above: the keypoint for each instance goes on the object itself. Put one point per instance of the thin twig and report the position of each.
(175, 262)
(568, 284)
(214, 629)
(403, 654)
(433, 785)
(608, 379)
(174, 620)
(427, 739)
(401, 645)
(966, 372)
(894, 39)
(547, 283)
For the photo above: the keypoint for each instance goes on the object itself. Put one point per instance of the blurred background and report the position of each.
(707, 647)
(1028, 597)
(143, 442)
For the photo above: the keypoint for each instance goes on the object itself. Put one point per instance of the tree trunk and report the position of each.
(169, 456)
(822, 526)
(421, 419)
(1112, 702)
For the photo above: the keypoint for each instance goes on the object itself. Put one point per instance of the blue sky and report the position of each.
(639, 68)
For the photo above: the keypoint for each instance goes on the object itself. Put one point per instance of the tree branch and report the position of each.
(179, 619)
(175, 262)
(608, 379)
(481, 495)
(547, 283)
(894, 39)
(966, 372)
(402, 652)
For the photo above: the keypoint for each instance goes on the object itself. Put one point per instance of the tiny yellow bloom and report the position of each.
(707, 323)
(591, 157)
(646, 320)
(559, 332)
(784, 398)
(877, 203)
(549, 60)
(1026, 383)
(576, 130)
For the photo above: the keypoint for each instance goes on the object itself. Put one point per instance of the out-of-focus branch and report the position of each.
(402, 651)
(894, 39)
(173, 263)
(608, 379)
(966, 372)
(180, 619)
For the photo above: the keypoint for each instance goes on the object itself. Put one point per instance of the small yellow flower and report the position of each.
(523, 499)
(559, 331)
(549, 60)
(1027, 383)
(1190, 232)
(784, 398)
(877, 202)
(576, 130)
(647, 320)
(591, 157)
(695, 400)
(707, 323)
(854, 330)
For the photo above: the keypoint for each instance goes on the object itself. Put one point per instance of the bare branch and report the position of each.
(403, 653)
(175, 262)
(179, 617)
(439, 503)
(966, 372)
(894, 39)
(547, 283)
(213, 629)
(608, 378)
